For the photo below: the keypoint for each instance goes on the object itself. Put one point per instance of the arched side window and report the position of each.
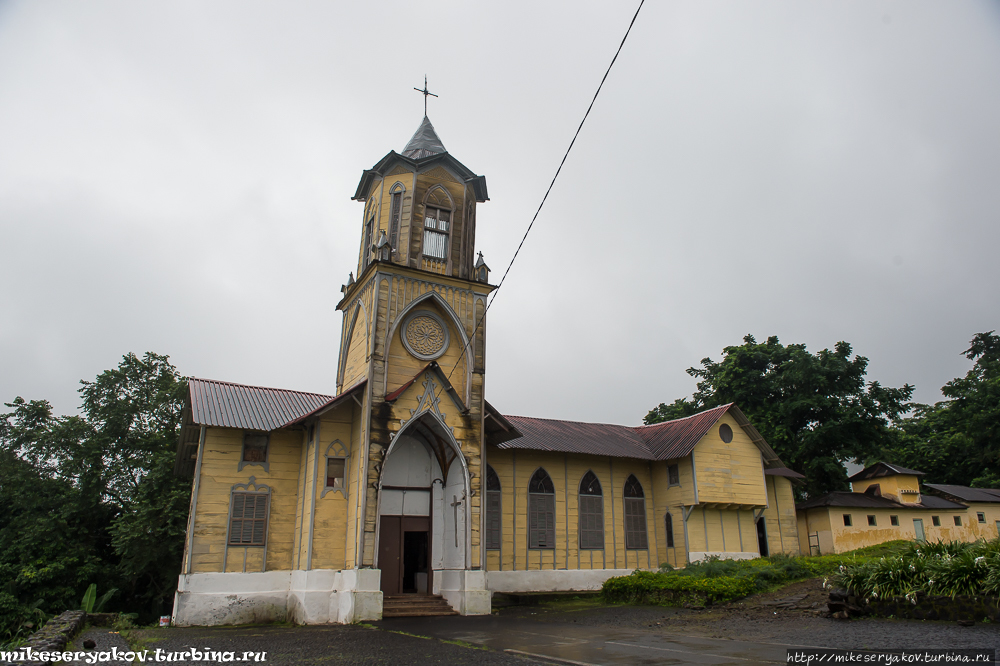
(492, 509)
(438, 209)
(541, 511)
(369, 236)
(396, 211)
(635, 514)
(591, 513)
(670, 530)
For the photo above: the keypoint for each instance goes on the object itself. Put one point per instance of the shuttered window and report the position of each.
(248, 525)
(492, 509)
(541, 511)
(635, 515)
(396, 211)
(591, 513)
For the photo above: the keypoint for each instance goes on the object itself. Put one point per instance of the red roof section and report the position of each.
(661, 441)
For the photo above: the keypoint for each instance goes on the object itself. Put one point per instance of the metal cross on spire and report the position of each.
(426, 93)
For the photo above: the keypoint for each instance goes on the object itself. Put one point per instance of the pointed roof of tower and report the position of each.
(424, 142)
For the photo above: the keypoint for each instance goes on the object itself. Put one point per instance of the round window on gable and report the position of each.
(726, 433)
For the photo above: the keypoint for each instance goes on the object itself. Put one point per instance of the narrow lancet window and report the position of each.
(591, 513)
(635, 515)
(541, 511)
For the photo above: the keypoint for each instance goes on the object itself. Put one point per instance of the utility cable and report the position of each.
(551, 184)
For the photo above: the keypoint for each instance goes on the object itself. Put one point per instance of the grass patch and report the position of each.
(718, 581)
(406, 633)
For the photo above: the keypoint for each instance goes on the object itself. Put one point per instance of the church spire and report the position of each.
(424, 142)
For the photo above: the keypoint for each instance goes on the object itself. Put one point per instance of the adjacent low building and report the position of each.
(887, 502)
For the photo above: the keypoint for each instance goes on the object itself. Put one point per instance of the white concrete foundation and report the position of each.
(306, 597)
(731, 555)
(465, 591)
(549, 580)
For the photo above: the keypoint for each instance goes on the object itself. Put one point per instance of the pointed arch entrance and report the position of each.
(423, 512)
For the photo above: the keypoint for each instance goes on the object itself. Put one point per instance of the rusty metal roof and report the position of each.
(600, 439)
(661, 441)
(677, 438)
(215, 403)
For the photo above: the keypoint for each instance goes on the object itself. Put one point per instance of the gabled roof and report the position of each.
(433, 366)
(332, 402)
(661, 441)
(228, 405)
(424, 142)
(965, 493)
(423, 151)
(785, 472)
(880, 469)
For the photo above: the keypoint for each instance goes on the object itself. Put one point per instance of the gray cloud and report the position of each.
(176, 177)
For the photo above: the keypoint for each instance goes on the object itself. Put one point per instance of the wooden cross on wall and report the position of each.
(426, 93)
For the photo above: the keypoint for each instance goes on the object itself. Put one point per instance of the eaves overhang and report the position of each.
(369, 176)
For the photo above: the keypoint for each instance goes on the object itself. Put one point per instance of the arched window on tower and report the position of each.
(541, 511)
(492, 509)
(635, 515)
(591, 513)
(396, 212)
(369, 237)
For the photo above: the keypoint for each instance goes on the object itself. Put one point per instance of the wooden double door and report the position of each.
(404, 554)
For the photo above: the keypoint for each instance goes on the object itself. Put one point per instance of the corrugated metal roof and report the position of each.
(661, 441)
(676, 439)
(331, 403)
(215, 403)
(599, 439)
(966, 493)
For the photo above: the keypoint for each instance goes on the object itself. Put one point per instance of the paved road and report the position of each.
(588, 644)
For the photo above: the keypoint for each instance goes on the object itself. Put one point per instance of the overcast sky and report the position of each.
(176, 177)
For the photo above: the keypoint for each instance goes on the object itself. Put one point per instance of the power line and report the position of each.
(551, 184)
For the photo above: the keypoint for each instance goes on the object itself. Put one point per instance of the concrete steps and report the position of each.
(415, 605)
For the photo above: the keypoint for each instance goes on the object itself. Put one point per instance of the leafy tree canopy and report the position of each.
(815, 410)
(957, 441)
(91, 498)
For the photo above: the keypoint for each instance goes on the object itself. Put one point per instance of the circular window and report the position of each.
(425, 335)
(726, 433)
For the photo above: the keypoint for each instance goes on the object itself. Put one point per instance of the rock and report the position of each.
(838, 595)
(89, 644)
(840, 615)
(966, 623)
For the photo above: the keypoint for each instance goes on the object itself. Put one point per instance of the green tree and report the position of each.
(957, 440)
(815, 410)
(95, 498)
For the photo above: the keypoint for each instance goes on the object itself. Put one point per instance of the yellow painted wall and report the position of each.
(830, 520)
(898, 487)
(402, 366)
(219, 472)
(515, 468)
(731, 473)
(673, 499)
(988, 528)
(782, 522)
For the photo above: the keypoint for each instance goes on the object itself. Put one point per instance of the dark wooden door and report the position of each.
(390, 551)
(762, 537)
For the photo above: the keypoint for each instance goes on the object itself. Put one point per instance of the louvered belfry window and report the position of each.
(635, 515)
(591, 513)
(436, 226)
(492, 509)
(541, 511)
(248, 525)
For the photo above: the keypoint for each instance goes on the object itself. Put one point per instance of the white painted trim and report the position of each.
(551, 580)
(194, 499)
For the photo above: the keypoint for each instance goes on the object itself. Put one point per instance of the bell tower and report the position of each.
(410, 335)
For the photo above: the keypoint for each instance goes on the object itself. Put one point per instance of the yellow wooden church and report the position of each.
(406, 491)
